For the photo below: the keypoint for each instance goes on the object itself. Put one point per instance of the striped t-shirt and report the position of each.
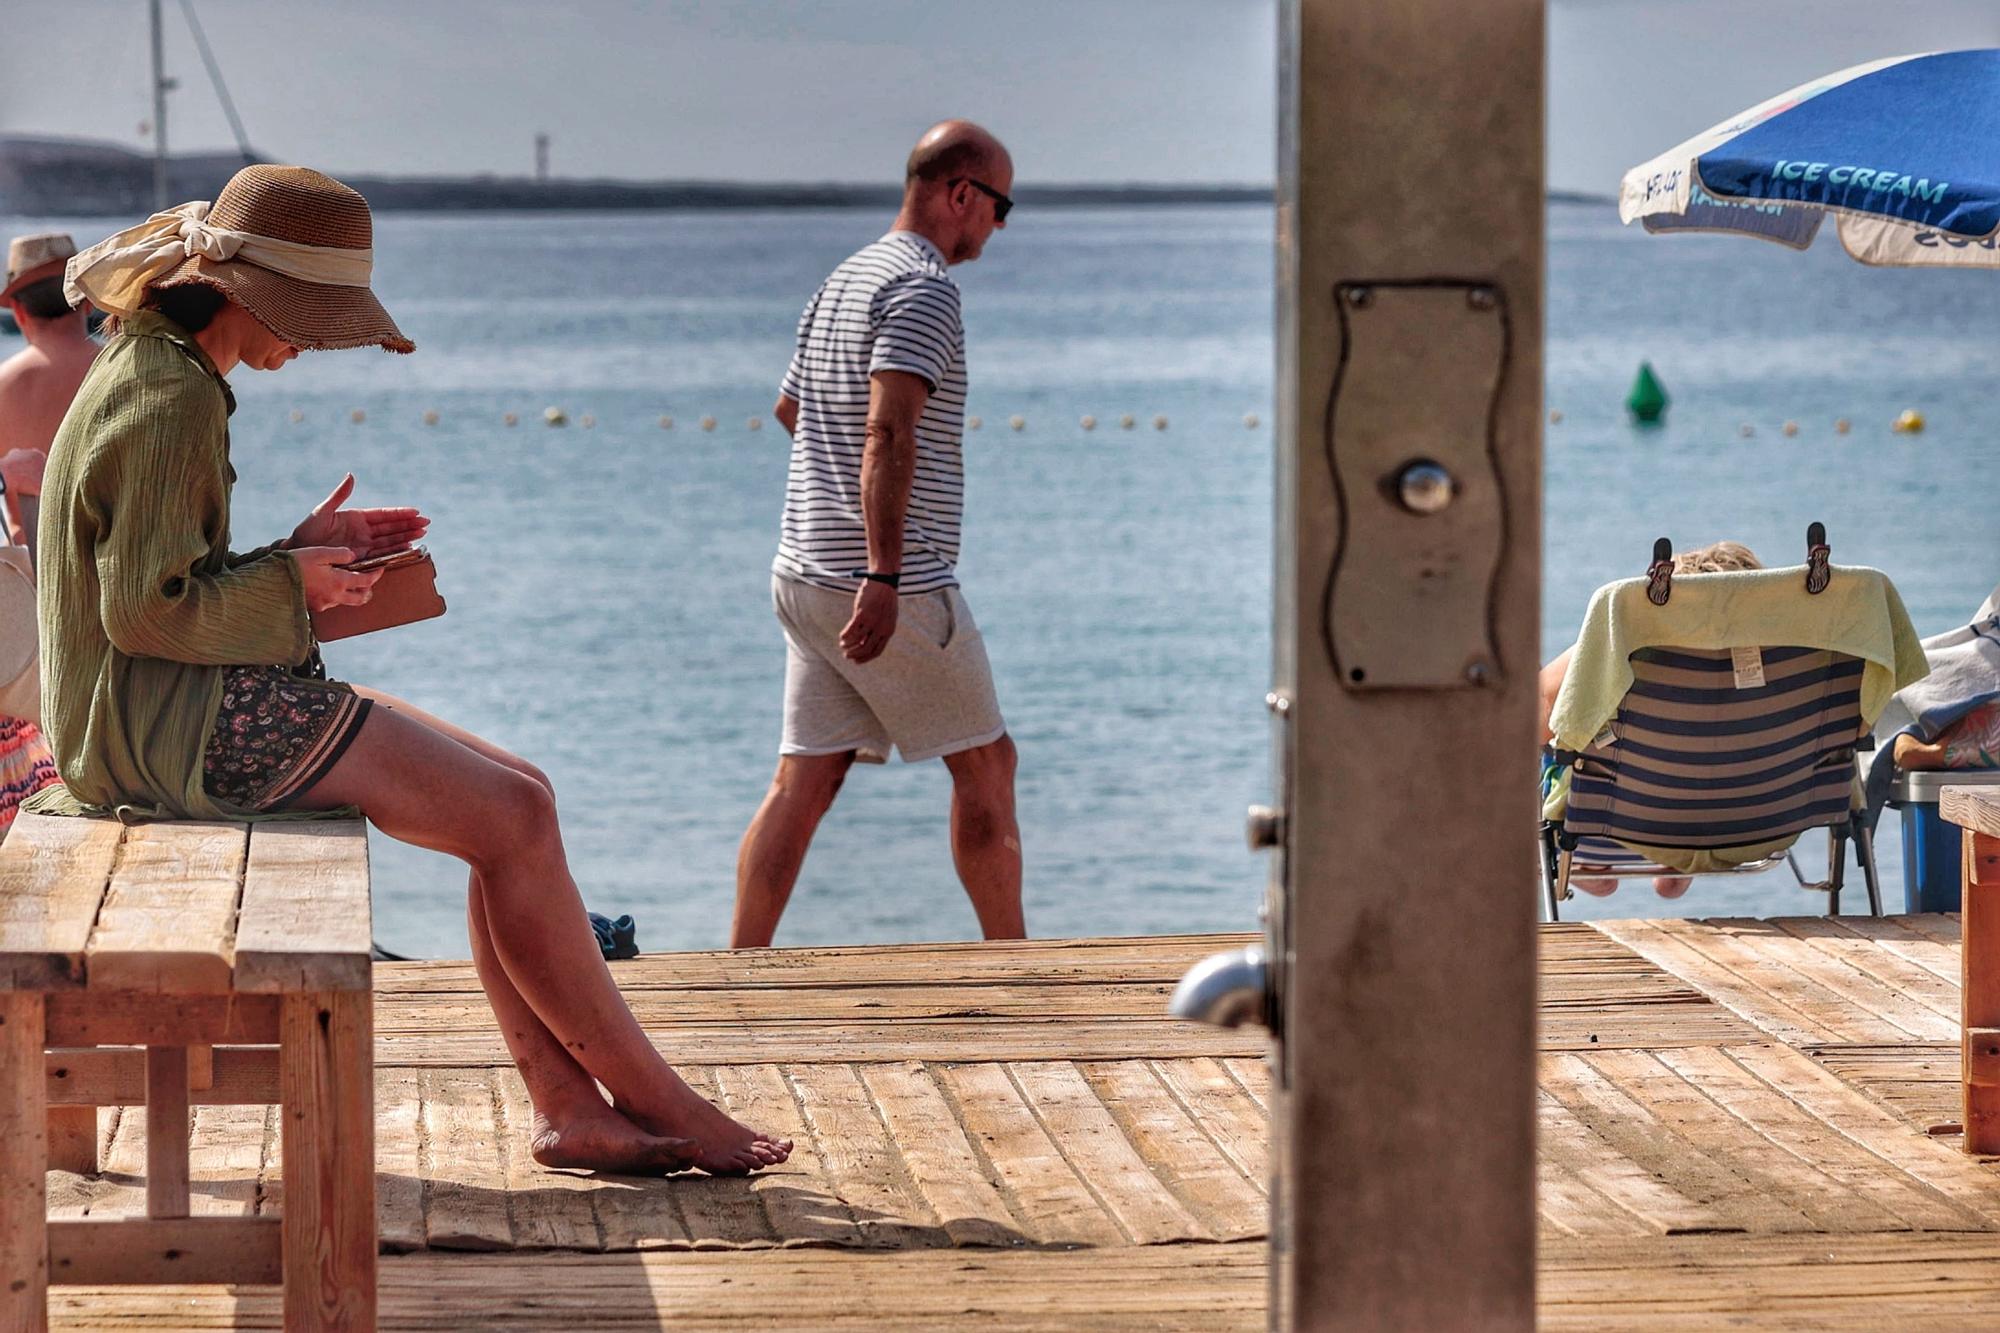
(890, 306)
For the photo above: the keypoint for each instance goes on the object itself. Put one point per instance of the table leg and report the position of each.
(1980, 963)
(73, 1139)
(24, 1237)
(166, 1131)
(326, 1065)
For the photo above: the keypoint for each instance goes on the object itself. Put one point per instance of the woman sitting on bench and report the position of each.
(158, 642)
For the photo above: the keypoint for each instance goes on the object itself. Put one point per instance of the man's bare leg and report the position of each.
(986, 837)
(422, 786)
(774, 846)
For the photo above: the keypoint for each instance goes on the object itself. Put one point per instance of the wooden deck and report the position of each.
(1743, 1122)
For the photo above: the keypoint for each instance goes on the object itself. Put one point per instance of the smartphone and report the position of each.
(389, 561)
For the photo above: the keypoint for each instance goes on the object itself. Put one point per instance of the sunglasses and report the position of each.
(1002, 205)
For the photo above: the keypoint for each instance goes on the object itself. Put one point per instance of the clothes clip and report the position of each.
(1660, 574)
(1819, 559)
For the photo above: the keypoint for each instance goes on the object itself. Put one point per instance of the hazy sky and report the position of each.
(836, 89)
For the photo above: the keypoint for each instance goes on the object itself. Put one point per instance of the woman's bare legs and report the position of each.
(574, 1126)
(418, 782)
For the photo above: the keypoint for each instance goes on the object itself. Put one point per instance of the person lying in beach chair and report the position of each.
(1703, 722)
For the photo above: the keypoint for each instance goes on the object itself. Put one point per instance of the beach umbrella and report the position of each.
(1903, 152)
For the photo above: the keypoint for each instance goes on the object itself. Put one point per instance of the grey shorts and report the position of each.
(929, 694)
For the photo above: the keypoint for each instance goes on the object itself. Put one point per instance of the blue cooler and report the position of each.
(1931, 847)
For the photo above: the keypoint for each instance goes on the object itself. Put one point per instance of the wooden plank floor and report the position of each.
(1742, 1122)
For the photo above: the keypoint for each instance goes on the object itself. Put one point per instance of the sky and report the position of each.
(818, 90)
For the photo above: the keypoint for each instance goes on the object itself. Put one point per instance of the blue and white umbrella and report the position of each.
(1904, 152)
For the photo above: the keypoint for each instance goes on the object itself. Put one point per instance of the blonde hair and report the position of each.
(1717, 558)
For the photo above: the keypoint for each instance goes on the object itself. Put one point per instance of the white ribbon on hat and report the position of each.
(113, 274)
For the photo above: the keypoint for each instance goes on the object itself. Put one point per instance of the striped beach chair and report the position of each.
(1693, 761)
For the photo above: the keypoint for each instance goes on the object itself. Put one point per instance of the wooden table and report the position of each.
(172, 963)
(1977, 811)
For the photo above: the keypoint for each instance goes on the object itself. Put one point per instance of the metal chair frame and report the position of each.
(1558, 863)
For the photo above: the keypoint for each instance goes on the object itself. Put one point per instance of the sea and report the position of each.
(608, 578)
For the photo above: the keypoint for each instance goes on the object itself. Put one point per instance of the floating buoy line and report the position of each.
(555, 415)
(1907, 422)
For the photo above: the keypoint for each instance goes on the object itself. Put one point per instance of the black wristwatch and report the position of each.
(893, 580)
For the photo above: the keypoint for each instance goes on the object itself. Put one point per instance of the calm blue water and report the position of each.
(609, 589)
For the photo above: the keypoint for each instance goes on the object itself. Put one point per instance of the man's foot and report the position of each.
(723, 1147)
(609, 1142)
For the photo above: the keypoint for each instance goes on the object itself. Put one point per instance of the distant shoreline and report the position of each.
(42, 177)
(84, 178)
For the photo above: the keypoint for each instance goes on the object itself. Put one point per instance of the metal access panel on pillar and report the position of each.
(1401, 946)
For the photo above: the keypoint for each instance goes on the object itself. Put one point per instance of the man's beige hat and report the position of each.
(292, 246)
(32, 258)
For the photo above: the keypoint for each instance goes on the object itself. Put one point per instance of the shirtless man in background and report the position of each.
(38, 382)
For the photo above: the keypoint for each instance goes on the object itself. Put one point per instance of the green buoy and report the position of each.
(1648, 401)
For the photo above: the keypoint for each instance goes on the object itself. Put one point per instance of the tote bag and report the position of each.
(20, 656)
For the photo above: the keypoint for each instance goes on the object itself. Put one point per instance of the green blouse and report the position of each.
(142, 602)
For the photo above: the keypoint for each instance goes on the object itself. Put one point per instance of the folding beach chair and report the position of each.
(1719, 748)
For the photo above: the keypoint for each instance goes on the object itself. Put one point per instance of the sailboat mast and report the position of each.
(160, 85)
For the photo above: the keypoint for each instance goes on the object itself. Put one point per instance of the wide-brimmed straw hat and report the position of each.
(32, 258)
(292, 246)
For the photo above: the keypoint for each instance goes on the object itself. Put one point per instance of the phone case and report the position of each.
(406, 592)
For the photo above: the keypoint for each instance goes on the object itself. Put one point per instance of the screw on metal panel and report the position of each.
(1424, 487)
(1278, 702)
(1478, 673)
(1481, 298)
(1358, 296)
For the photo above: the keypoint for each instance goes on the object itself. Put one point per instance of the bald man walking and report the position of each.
(881, 648)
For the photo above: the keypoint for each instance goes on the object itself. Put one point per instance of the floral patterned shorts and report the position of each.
(275, 735)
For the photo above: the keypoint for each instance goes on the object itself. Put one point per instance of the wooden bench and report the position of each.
(1977, 811)
(176, 963)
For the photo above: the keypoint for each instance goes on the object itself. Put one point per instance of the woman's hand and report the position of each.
(326, 583)
(367, 532)
(21, 469)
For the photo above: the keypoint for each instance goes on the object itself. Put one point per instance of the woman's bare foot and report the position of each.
(609, 1142)
(1671, 886)
(1596, 888)
(723, 1147)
